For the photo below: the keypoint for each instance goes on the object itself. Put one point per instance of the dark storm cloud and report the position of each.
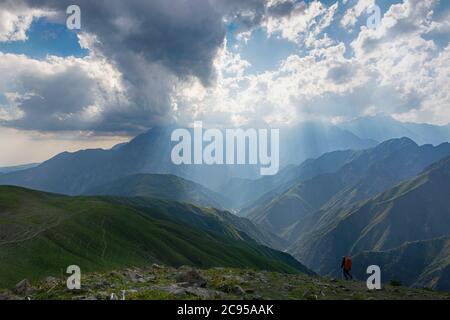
(181, 35)
(153, 44)
(57, 98)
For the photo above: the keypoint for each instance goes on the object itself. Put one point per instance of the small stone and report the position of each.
(288, 287)
(51, 281)
(312, 297)
(150, 278)
(135, 277)
(238, 290)
(101, 284)
(200, 292)
(23, 287)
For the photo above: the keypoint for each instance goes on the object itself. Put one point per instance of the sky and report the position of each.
(136, 64)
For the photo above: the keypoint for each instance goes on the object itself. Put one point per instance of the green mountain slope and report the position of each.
(418, 209)
(299, 201)
(161, 186)
(418, 264)
(211, 219)
(41, 234)
(173, 188)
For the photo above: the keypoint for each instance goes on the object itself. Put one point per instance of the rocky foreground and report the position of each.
(184, 283)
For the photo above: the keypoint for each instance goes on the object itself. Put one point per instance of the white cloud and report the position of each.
(277, 97)
(58, 93)
(16, 19)
(407, 62)
(304, 23)
(352, 14)
(393, 70)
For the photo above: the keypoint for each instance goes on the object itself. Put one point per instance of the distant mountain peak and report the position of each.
(397, 143)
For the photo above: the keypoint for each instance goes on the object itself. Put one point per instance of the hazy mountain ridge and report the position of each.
(75, 173)
(367, 173)
(17, 168)
(246, 192)
(383, 127)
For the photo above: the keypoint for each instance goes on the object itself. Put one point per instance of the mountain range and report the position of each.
(339, 192)
(414, 210)
(377, 202)
(76, 173)
(362, 174)
(383, 127)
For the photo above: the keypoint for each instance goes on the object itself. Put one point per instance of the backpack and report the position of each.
(348, 263)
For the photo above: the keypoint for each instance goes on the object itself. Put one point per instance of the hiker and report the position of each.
(346, 266)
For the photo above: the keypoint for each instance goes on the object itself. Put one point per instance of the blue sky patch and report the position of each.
(45, 38)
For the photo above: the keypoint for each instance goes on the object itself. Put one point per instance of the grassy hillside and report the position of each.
(210, 219)
(161, 186)
(41, 234)
(140, 187)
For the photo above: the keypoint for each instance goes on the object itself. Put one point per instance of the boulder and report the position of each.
(191, 277)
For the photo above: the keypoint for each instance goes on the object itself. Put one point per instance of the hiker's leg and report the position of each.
(345, 274)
